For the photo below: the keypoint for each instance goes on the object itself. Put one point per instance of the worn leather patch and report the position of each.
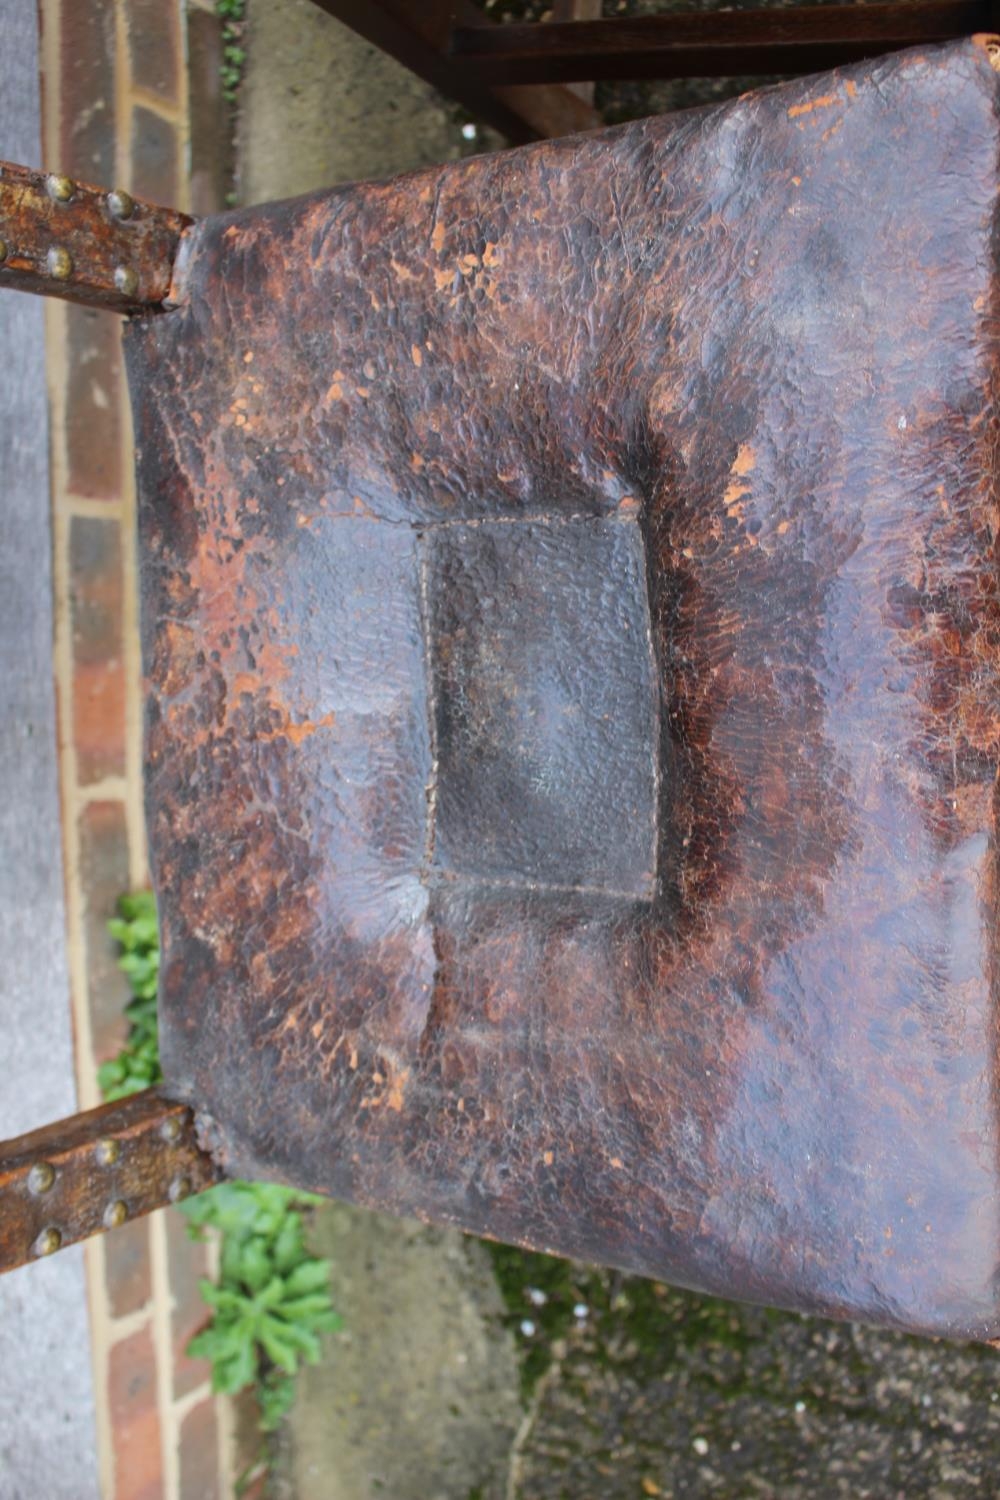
(571, 620)
(545, 706)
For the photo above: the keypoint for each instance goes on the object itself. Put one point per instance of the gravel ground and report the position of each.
(658, 1392)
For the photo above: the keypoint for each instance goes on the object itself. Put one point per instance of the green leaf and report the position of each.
(302, 1339)
(272, 1294)
(275, 1397)
(136, 932)
(231, 1375)
(310, 1276)
(326, 1322)
(207, 1344)
(272, 1298)
(137, 904)
(280, 1349)
(145, 931)
(229, 1264)
(255, 1264)
(138, 966)
(230, 1206)
(111, 1073)
(289, 1248)
(306, 1307)
(219, 1296)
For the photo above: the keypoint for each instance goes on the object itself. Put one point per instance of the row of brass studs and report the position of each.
(43, 1175)
(59, 262)
(61, 190)
(181, 1186)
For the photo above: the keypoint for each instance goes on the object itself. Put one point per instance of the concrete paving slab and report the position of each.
(320, 106)
(47, 1440)
(417, 1398)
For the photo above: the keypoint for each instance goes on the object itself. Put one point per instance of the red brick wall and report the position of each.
(117, 113)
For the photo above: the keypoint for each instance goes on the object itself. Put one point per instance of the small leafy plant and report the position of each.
(137, 1065)
(232, 14)
(272, 1299)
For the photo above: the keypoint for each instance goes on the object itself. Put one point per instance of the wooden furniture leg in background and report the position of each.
(419, 36)
(515, 76)
(578, 10)
(711, 44)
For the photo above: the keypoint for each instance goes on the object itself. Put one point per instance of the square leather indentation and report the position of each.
(545, 704)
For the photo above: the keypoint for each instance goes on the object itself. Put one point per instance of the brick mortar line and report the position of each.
(147, 99)
(130, 1323)
(157, 1240)
(86, 1064)
(187, 1403)
(162, 1304)
(83, 1050)
(86, 507)
(100, 1355)
(107, 789)
(226, 1418)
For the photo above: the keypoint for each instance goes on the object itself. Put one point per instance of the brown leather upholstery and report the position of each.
(571, 616)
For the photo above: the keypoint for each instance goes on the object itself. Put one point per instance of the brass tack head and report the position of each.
(171, 1128)
(60, 263)
(59, 188)
(120, 204)
(126, 280)
(48, 1242)
(41, 1177)
(179, 1188)
(108, 1153)
(115, 1214)
(3, 250)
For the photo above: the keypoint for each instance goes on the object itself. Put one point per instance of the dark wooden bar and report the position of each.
(800, 39)
(418, 36)
(60, 238)
(95, 1171)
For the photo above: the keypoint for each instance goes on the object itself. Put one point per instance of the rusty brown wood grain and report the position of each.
(95, 1171)
(99, 247)
(571, 613)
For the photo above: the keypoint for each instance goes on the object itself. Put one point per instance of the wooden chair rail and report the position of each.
(62, 238)
(419, 36)
(514, 76)
(799, 39)
(94, 1171)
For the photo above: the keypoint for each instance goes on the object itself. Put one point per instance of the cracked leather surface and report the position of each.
(570, 615)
